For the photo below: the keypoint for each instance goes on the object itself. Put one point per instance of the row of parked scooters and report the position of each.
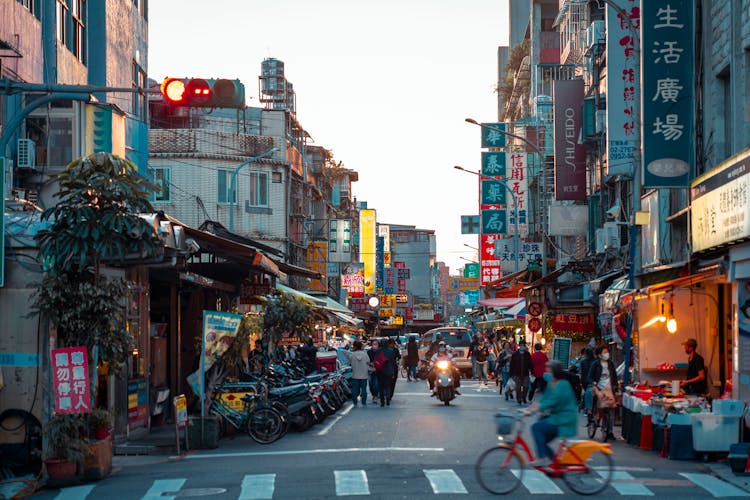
(283, 398)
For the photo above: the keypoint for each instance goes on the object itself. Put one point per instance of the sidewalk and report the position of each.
(144, 447)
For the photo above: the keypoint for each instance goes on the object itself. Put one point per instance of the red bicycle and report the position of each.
(586, 466)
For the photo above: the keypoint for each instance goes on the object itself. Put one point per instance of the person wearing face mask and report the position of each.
(696, 372)
(442, 353)
(558, 404)
(520, 371)
(603, 376)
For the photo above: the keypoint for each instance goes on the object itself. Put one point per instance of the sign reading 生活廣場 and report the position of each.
(70, 379)
(668, 76)
(720, 207)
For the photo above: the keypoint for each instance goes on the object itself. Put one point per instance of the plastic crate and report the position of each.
(714, 432)
(728, 407)
(679, 419)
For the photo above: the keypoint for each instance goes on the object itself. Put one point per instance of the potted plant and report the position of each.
(100, 423)
(65, 445)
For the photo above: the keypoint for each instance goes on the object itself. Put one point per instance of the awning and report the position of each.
(501, 303)
(517, 311)
(349, 319)
(710, 272)
(301, 295)
(297, 270)
(334, 306)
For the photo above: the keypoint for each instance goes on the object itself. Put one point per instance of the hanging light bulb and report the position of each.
(671, 322)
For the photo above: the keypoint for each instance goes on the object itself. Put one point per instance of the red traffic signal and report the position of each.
(204, 93)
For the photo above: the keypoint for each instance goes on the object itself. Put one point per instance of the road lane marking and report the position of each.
(628, 488)
(462, 395)
(257, 486)
(444, 481)
(162, 486)
(338, 417)
(305, 452)
(537, 482)
(351, 482)
(714, 486)
(75, 492)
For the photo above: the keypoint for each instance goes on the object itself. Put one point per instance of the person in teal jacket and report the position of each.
(558, 403)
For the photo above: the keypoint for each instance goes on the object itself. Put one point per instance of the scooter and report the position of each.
(445, 385)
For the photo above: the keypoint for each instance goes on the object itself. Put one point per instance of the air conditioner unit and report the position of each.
(595, 34)
(612, 231)
(26, 153)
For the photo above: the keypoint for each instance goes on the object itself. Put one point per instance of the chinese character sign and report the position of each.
(70, 379)
(493, 221)
(516, 180)
(622, 85)
(493, 193)
(493, 138)
(489, 263)
(527, 252)
(493, 163)
(339, 240)
(570, 154)
(667, 61)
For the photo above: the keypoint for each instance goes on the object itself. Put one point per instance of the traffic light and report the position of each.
(204, 93)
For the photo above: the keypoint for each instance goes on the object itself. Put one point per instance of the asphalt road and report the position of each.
(416, 448)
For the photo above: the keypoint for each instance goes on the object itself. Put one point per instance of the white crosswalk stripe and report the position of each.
(444, 481)
(351, 482)
(714, 485)
(629, 487)
(537, 482)
(441, 481)
(74, 492)
(162, 486)
(257, 486)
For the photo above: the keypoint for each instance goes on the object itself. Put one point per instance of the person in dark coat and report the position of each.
(412, 359)
(520, 371)
(392, 344)
(585, 371)
(387, 372)
(374, 348)
(603, 375)
(307, 354)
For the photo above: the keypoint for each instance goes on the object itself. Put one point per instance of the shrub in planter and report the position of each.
(100, 423)
(65, 444)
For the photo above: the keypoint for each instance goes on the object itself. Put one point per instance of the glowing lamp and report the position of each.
(672, 325)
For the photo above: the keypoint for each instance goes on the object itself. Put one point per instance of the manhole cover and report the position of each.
(199, 492)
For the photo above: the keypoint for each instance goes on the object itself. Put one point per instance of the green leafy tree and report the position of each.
(94, 222)
(285, 313)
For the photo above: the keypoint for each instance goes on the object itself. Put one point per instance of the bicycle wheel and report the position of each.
(591, 426)
(499, 470)
(265, 425)
(592, 476)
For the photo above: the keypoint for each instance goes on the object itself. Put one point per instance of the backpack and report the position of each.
(379, 362)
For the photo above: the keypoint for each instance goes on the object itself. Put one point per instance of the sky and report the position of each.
(384, 84)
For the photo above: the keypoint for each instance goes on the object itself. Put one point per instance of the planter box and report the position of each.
(98, 461)
(210, 433)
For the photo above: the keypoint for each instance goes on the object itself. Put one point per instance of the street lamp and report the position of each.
(233, 183)
(469, 246)
(503, 183)
(468, 260)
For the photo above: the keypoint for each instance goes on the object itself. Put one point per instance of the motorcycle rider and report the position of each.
(442, 354)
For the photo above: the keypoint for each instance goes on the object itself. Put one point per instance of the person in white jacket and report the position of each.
(361, 368)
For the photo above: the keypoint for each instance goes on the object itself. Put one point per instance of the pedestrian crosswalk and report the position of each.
(358, 482)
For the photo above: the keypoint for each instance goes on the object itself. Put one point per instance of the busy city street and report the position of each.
(416, 448)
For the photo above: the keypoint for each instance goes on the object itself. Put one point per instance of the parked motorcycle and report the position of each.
(445, 384)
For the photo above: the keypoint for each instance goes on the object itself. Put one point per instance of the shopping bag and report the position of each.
(604, 397)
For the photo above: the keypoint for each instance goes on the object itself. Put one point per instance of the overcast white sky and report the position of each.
(384, 84)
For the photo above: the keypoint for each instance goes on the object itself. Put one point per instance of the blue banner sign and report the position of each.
(493, 138)
(493, 221)
(493, 163)
(493, 193)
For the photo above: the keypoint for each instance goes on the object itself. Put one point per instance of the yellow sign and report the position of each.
(233, 399)
(386, 312)
(398, 320)
(367, 219)
(317, 254)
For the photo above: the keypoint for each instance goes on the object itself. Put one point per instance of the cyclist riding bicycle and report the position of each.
(558, 404)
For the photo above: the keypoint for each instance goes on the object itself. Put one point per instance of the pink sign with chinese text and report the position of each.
(489, 262)
(70, 379)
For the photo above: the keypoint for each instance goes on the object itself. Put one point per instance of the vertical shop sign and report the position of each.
(517, 181)
(622, 85)
(570, 153)
(490, 264)
(367, 234)
(379, 264)
(668, 80)
(492, 138)
(70, 378)
(339, 240)
(493, 163)
(493, 193)
(137, 403)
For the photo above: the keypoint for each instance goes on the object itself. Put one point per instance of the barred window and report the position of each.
(162, 177)
(224, 183)
(258, 189)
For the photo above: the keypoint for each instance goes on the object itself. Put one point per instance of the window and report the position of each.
(32, 5)
(138, 81)
(78, 43)
(61, 20)
(258, 189)
(142, 7)
(162, 177)
(224, 183)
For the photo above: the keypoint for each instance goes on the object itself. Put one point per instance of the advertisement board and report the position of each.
(570, 153)
(367, 235)
(339, 240)
(70, 380)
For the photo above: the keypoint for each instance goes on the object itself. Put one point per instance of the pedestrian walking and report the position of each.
(392, 344)
(374, 348)
(539, 366)
(412, 359)
(361, 367)
(503, 366)
(520, 370)
(603, 378)
(479, 357)
(384, 363)
(473, 345)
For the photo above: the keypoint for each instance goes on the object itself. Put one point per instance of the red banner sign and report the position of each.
(70, 379)
(583, 323)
